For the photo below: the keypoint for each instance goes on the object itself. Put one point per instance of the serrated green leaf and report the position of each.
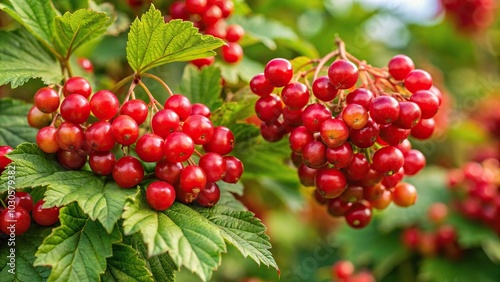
(14, 127)
(161, 266)
(25, 248)
(236, 188)
(70, 5)
(471, 233)
(202, 86)
(126, 265)
(99, 199)
(190, 239)
(22, 58)
(152, 42)
(431, 188)
(264, 30)
(233, 112)
(74, 29)
(76, 250)
(244, 231)
(37, 16)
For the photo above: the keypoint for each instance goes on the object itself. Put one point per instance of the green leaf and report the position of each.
(152, 42)
(76, 250)
(243, 230)
(126, 265)
(74, 29)
(99, 199)
(22, 58)
(161, 266)
(70, 5)
(244, 70)
(25, 248)
(491, 248)
(190, 239)
(14, 127)
(37, 16)
(118, 21)
(264, 30)
(202, 86)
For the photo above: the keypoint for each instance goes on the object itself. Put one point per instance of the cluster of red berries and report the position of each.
(438, 239)
(176, 130)
(15, 213)
(349, 140)
(476, 189)
(471, 16)
(343, 271)
(209, 17)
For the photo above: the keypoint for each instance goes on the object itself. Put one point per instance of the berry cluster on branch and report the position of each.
(348, 125)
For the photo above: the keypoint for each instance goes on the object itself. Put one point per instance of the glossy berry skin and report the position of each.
(352, 194)
(427, 102)
(211, 15)
(100, 136)
(383, 201)
(149, 147)
(342, 269)
(199, 128)
(102, 163)
(168, 171)
(136, 109)
(75, 108)
(414, 161)
(337, 207)
(390, 181)
(358, 215)
(232, 52)
(200, 109)
(392, 134)
(69, 136)
(388, 160)
(214, 166)
(330, 182)
(334, 132)
(424, 129)
(306, 175)
(404, 194)
(366, 136)
(45, 217)
(278, 72)
(128, 172)
(299, 137)
(20, 216)
(209, 196)
(343, 74)
(418, 80)
(46, 100)
(360, 96)
(341, 156)
(222, 141)
(314, 154)
(104, 104)
(272, 132)
(234, 169)
(160, 195)
(226, 6)
(269, 108)
(125, 130)
(399, 66)
(46, 139)
(409, 115)
(295, 95)
(72, 160)
(196, 6)
(192, 179)
(314, 115)
(355, 116)
(291, 117)
(77, 85)
(358, 168)
(38, 119)
(178, 147)
(4, 161)
(180, 104)
(234, 32)
(260, 86)
(165, 122)
(323, 89)
(202, 62)
(85, 64)
(384, 109)
(21, 199)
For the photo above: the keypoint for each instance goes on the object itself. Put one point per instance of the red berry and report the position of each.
(21, 199)
(404, 194)
(69, 136)
(388, 160)
(295, 95)
(37, 119)
(211, 15)
(85, 64)
(234, 33)
(19, 216)
(180, 104)
(314, 115)
(306, 175)
(341, 156)
(418, 80)
(314, 154)
(334, 132)
(209, 196)
(200, 109)
(46, 100)
(269, 108)
(232, 52)
(330, 182)
(73, 160)
(199, 128)
(393, 135)
(384, 109)
(278, 72)
(400, 66)
(358, 215)
(323, 89)
(75, 108)
(272, 132)
(355, 116)
(202, 62)
(165, 122)
(160, 195)
(99, 136)
(427, 102)
(336, 206)
(409, 115)
(45, 216)
(192, 179)
(299, 137)
(343, 74)
(214, 166)
(343, 269)
(125, 130)
(424, 129)
(104, 104)
(128, 172)
(77, 85)
(222, 141)
(102, 163)
(178, 10)
(168, 171)
(149, 147)
(4, 161)
(360, 96)
(178, 147)
(196, 6)
(46, 140)
(260, 86)
(226, 6)
(358, 168)
(414, 161)
(437, 212)
(136, 109)
(366, 136)
(234, 169)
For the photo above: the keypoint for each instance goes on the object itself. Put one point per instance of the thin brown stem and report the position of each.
(153, 102)
(122, 82)
(341, 48)
(323, 61)
(130, 90)
(159, 81)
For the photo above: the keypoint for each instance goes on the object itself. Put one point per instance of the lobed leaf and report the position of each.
(202, 86)
(152, 42)
(126, 265)
(14, 127)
